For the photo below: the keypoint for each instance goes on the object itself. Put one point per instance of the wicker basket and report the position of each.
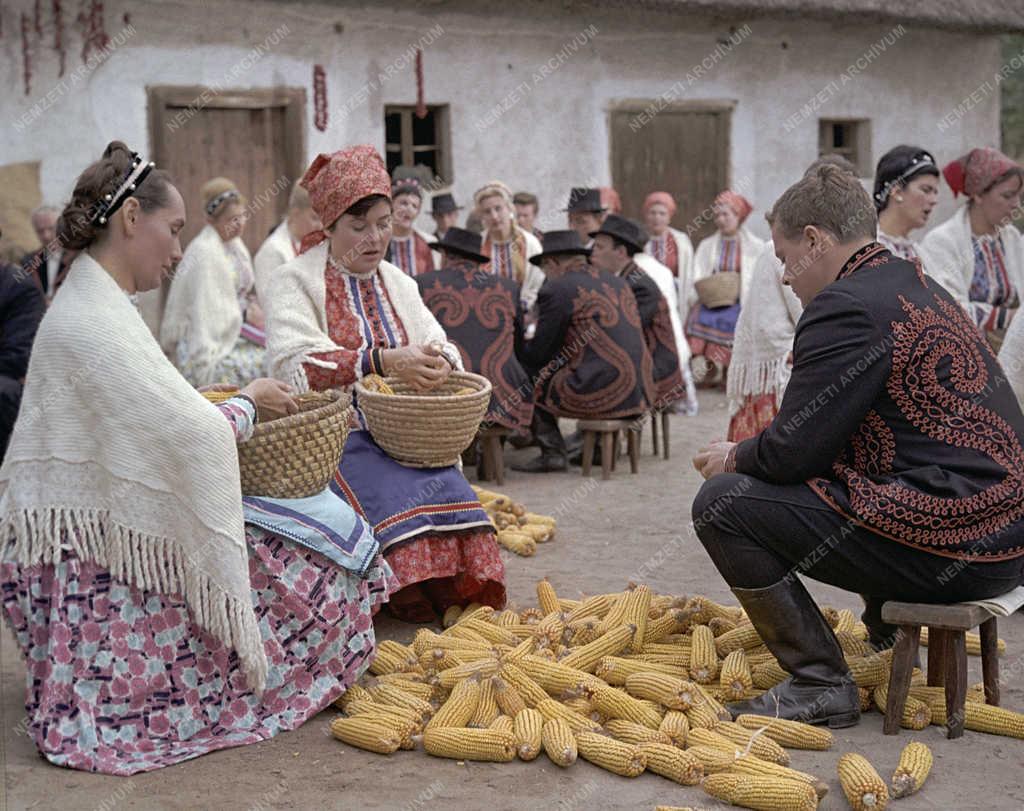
(294, 456)
(719, 289)
(431, 429)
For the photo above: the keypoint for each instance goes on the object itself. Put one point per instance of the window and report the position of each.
(418, 147)
(850, 138)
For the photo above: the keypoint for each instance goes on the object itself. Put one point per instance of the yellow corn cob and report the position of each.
(675, 764)
(353, 693)
(492, 745)
(758, 745)
(531, 692)
(703, 656)
(852, 646)
(485, 667)
(427, 640)
(486, 707)
(703, 609)
(614, 756)
(916, 714)
(559, 742)
(862, 785)
(417, 688)
(503, 723)
(768, 675)
(993, 720)
(741, 638)
(702, 716)
(616, 670)
(378, 384)
(531, 616)
(552, 628)
(556, 677)
(791, 734)
(660, 627)
(587, 657)
(860, 631)
(460, 706)
(674, 693)
(598, 606)
(713, 760)
(406, 729)
(547, 599)
(616, 614)
(735, 677)
(437, 659)
(638, 603)
(366, 733)
(867, 698)
(524, 648)
(404, 722)
(554, 710)
(508, 698)
(760, 793)
(584, 631)
(535, 518)
(636, 734)
(518, 542)
(755, 767)
(668, 646)
(460, 631)
(721, 625)
(708, 737)
(494, 634)
(869, 671)
(476, 611)
(541, 533)
(680, 660)
(390, 694)
(392, 657)
(580, 705)
(451, 615)
(831, 615)
(676, 725)
(507, 618)
(973, 641)
(527, 727)
(845, 621)
(617, 703)
(912, 770)
(975, 692)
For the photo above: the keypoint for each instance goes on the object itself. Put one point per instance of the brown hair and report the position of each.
(829, 198)
(525, 198)
(217, 186)
(833, 159)
(75, 229)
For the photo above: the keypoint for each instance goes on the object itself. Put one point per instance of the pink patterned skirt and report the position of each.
(120, 681)
(756, 414)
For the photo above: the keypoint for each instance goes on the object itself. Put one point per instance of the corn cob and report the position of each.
(912, 770)
(916, 714)
(485, 667)
(845, 621)
(680, 660)
(616, 614)
(451, 615)
(862, 785)
(486, 707)
(366, 733)
(507, 618)
(704, 609)
(973, 643)
(527, 728)
(392, 657)
(703, 656)
(869, 671)
(860, 631)
(975, 692)
(404, 723)
(587, 657)
(721, 625)
(502, 723)
(614, 756)
(556, 677)
(852, 646)
(867, 699)
(508, 698)
(546, 597)
(831, 615)
(518, 542)
(528, 689)
(476, 611)
(616, 670)
(617, 703)
(559, 742)
(541, 533)
(660, 627)
(708, 737)
(460, 706)
(353, 693)
(760, 746)
(598, 606)
(460, 631)
(493, 634)
(676, 725)
(791, 734)
(755, 767)
(673, 692)
(735, 677)
(554, 710)
(389, 694)
(531, 616)
(713, 760)
(638, 603)
(492, 745)
(741, 638)
(552, 628)
(417, 688)
(584, 631)
(761, 794)
(675, 764)
(524, 648)
(636, 734)
(580, 705)
(702, 716)
(535, 518)
(427, 640)
(768, 675)
(994, 720)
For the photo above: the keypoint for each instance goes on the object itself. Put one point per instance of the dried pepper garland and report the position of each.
(94, 35)
(58, 35)
(320, 97)
(421, 104)
(26, 53)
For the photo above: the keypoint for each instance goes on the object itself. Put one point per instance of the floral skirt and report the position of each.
(756, 414)
(120, 681)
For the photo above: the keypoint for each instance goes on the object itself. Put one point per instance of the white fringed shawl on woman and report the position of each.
(116, 458)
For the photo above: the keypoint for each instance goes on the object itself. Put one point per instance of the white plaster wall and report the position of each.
(556, 136)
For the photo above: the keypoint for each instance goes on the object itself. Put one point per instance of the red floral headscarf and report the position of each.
(663, 198)
(977, 170)
(737, 202)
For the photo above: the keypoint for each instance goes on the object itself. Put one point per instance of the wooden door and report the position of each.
(682, 149)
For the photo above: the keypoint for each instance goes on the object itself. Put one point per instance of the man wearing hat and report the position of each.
(616, 243)
(588, 359)
(445, 213)
(586, 212)
(483, 316)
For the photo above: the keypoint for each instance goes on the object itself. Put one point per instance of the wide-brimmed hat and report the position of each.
(560, 243)
(581, 199)
(462, 242)
(623, 230)
(443, 204)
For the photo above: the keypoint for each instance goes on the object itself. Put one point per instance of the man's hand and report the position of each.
(710, 460)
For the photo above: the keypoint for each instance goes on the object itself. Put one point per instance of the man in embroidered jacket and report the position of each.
(894, 468)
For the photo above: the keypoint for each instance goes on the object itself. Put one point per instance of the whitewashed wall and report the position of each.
(556, 135)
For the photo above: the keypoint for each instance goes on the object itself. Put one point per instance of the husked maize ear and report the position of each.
(741, 638)
(531, 692)
(614, 756)
(660, 627)
(492, 745)
(768, 675)
(755, 767)
(392, 657)
(508, 698)
(502, 723)
(994, 720)
(864, 788)
(674, 693)
(637, 605)
(845, 621)
(597, 605)
(676, 725)
(390, 694)
(704, 609)
(584, 631)
(611, 643)
(713, 760)
(616, 614)
(536, 518)
(460, 706)
(427, 640)
(366, 733)
(616, 703)
(494, 634)
(616, 670)
(507, 618)
(484, 667)
(580, 705)
(353, 693)
(791, 734)
(378, 384)
(554, 710)
(708, 737)
(541, 533)
(636, 734)
(702, 716)
(912, 770)
(527, 727)
(518, 542)
(546, 597)
(451, 615)
(703, 656)
(852, 646)
(867, 698)
(486, 708)
(758, 745)
(761, 793)
(673, 763)
(551, 628)
(531, 616)
(973, 643)
(559, 742)
(916, 714)
(556, 677)
(735, 677)
(720, 625)
(869, 671)
(417, 688)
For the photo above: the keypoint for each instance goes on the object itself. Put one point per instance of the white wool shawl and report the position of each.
(202, 308)
(662, 276)
(1011, 357)
(296, 315)
(116, 458)
(764, 333)
(707, 256)
(276, 250)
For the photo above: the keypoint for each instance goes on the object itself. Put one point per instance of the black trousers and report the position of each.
(10, 400)
(547, 433)
(759, 533)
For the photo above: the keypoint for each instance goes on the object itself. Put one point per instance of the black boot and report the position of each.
(820, 689)
(552, 457)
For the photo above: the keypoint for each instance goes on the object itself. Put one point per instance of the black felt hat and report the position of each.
(462, 242)
(443, 204)
(560, 243)
(623, 230)
(581, 199)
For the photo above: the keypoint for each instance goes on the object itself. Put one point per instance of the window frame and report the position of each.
(859, 153)
(444, 174)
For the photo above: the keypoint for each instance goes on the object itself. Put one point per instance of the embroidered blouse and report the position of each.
(994, 299)
(664, 249)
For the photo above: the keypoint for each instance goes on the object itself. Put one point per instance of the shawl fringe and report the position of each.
(748, 379)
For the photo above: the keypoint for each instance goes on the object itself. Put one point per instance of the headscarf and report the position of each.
(409, 185)
(737, 202)
(899, 166)
(491, 188)
(336, 182)
(662, 197)
(610, 200)
(976, 171)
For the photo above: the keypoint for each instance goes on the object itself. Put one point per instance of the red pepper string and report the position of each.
(58, 34)
(90, 19)
(37, 18)
(421, 104)
(320, 97)
(26, 56)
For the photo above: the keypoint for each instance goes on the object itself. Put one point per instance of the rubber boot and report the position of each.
(552, 457)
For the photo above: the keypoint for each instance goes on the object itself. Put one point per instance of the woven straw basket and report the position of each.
(294, 456)
(430, 429)
(719, 289)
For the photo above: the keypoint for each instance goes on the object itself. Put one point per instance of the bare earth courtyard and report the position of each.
(633, 527)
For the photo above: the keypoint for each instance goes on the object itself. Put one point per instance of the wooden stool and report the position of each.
(664, 431)
(491, 459)
(947, 656)
(609, 433)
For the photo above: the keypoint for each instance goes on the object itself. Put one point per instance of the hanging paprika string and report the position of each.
(421, 104)
(319, 97)
(26, 56)
(90, 19)
(58, 34)
(37, 18)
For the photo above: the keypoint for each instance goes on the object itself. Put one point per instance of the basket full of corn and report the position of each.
(424, 428)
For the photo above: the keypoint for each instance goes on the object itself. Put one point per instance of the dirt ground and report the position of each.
(633, 527)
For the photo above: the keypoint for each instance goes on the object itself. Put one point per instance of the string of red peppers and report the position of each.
(319, 97)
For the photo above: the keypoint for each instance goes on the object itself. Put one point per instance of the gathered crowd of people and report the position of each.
(160, 620)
